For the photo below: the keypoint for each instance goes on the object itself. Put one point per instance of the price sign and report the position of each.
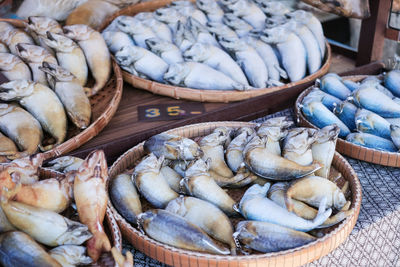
(164, 112)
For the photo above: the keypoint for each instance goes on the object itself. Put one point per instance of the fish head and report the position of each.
(127, 55)
(299, 142)
(394, 130)
(177, 206)
(236, 23)
(62, 163)
(328, 133)
(364, 120)
(282, 122)
(233, 44)
(299, 15)
(254, 191)
(42, 24)
(255, 142)
(130, 25)
(215, 139)
(189, 149)
(274, 8)
(197, 168)
(206, 5)
(94, 166)
(176, 74)
(249, 131)
(195, 26)
(339, 199)
(17, 89)
(59, 42)
(198, 52)
(57, 73)
(31, 53)
(272, 132)
(150, 163)
(70, 254)
(26, 169)
(157, 45)
(275, 35)
(228, 2)
(143, 219)
(273, 21)
(144, 16)
(78, 32)
(168, 15)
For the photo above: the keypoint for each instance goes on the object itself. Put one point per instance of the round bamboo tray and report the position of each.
(104, 105)
(179, 257)
(196, 94)
(344, 147)
(112, 228)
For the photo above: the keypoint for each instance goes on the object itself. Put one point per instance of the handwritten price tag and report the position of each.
(164, 112)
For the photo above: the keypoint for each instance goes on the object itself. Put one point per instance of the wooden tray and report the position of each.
(196, 94)
(179, 257)
(104, 105)
(347, 148)
(112, 228)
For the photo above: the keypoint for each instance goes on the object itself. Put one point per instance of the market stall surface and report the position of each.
(375, 239)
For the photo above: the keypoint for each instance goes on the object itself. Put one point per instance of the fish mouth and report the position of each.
(66, 31)
(50, 36)
(20, 48)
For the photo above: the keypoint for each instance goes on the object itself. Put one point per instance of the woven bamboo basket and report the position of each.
(196, 94)
(104, 105)
(344, 147)
(179, 257)
(112, 229)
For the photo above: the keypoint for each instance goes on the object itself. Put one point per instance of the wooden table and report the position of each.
(125, 131)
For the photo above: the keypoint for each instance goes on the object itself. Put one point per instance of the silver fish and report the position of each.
(277, 194)
(69, 55)
(346, 112)
(291, 50)
(271, 166)
(249, 60)
(14, 68)
(176, 231)
(369, 122)
(151, 183)
(71, 93)
(19, 249)
(38, 27)
(372, 141)
(70, 255)
(46, 227)
(30, 95)
(268, 55)
(313, 24)
(248, 11)
(315, 191)
(96, 53)
(313, 53)
(35, 55)
(254, 205)
(169, 52)
(137, 29)
(217, 59)
(200, 32)
(65, 164)
(211, 8)
(173, 147)
(125, 198)
(206, 216)
(21, 127)
(268, 237)
(116, 40)
(297, 146)
(190, 11)
(200, 184)
(272, 135)
(12, 36)
(191, 74)
(329, 101)
(135, 58)
(323, 149)
(241, 27)
(332, 84)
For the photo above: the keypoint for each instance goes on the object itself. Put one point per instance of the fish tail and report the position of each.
(340, 216)
(97, 244)
(120, 259)
(289, 203)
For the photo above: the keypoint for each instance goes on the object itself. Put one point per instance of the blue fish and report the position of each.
(351, 85)
(371, 141)
(369, 122)
(375, 82)
(370, 98)
(333, 85)
(328, 100)
(346, 112)
(321, 116)
(392, 82)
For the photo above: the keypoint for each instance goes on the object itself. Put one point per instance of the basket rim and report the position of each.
(301, 119)
(200, 95)
(341, 227)
(97, 125)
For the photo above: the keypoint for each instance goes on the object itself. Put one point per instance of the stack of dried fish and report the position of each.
(218, 45)
(183, 181)
(30, 212)
(47, 68)
(367, 112)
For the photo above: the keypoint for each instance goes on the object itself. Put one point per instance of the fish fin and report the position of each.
(346, 206)
(281, 71)
(120, 260)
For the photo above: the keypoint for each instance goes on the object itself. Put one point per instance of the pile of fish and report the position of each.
(367, 112)
(34, 211)
(219, 45)
(283, 172)
(47, 67)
